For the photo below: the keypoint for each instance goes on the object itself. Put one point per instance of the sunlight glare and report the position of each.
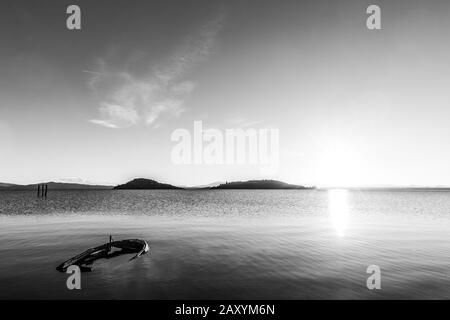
(339, 166)
(339, 210)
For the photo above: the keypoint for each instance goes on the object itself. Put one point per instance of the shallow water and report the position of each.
(230, 244)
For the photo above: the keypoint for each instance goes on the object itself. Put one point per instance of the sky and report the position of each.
(353, 106)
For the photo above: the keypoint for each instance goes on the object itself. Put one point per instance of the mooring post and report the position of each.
(39, 190)
(46, 187)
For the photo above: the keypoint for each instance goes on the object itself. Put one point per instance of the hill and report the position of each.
(54, 186)
(144, 184)
(259, 184)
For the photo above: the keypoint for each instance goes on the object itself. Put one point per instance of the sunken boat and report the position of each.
(110, 250)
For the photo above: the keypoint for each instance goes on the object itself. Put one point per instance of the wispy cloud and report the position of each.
(127, 99)
(116, 116)
(82, 181)
(244, 123)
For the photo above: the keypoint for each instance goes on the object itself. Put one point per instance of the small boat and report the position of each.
(113, 249)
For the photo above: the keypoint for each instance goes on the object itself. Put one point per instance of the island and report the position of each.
(144, 184)
(260, 184)
(149, 184)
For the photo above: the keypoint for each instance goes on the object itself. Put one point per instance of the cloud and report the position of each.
(79, 181)
(244, 123)
(118, 116)
(127, 99)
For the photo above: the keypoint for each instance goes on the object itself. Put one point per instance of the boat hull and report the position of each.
(86, 259)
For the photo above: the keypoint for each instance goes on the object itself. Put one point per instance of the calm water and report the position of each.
(230, 244)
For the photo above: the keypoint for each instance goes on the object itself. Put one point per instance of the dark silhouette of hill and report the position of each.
(54, 186)
(7, 185)
(259, 184)
(144, 184)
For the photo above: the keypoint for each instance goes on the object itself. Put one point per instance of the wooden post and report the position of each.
(39, 190)
(46, 187)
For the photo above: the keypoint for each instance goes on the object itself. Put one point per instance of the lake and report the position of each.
(230, 244)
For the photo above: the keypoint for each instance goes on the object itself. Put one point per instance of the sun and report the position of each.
(338, 165)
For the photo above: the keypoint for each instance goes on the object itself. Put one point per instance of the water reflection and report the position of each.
(251, 244)
(339, 210)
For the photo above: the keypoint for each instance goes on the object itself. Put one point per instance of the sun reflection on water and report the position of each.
(339, 210)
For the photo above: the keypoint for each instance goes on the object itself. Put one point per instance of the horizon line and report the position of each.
(204, 185)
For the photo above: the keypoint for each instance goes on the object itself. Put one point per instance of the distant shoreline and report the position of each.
(148, 184)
